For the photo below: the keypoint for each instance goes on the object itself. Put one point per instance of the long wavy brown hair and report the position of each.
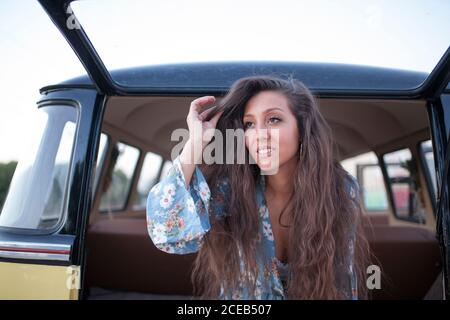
(323, 213)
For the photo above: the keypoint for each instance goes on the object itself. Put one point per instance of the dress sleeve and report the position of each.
(178, 215)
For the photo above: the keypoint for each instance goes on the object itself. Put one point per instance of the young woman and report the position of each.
(292, 234)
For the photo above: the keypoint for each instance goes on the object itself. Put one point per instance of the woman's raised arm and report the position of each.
(178, 206)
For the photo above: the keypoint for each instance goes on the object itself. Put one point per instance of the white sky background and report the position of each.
(409, 35)
(400, 34)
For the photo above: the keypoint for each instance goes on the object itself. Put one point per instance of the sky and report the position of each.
(409, 35)
(400, 34)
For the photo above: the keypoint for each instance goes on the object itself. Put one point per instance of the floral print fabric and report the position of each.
(178, 216)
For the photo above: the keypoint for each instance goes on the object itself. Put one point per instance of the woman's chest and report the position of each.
(279, 221)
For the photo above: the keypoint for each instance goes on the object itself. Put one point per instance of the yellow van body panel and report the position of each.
(35, 281)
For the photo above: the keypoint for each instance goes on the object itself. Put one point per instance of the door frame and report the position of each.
(38, 250)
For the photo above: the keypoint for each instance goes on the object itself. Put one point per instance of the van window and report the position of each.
(6, 175)
(426, 151)
(149, 176)
(37, 194)
(118, 183)
(165, 169)
(375, 197)
(366, 169)
(404, 185)
(102, 148)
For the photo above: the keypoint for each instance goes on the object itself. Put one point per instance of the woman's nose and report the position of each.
(261, 129)
(260, 133)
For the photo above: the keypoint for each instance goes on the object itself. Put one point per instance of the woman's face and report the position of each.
(271, 132)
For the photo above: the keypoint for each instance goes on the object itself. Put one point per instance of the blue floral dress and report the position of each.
(178, 218)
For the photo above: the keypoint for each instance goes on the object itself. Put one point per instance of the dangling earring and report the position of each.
(301, 148)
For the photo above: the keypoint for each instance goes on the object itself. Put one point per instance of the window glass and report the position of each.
(149, 176)
(119, 177)
(102, 148)
(375, 198)
(366, 169)
(405, 185)
(426, 148)
(36, 197)
(6, 174)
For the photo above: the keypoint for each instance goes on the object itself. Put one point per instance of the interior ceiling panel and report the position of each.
(358, 125)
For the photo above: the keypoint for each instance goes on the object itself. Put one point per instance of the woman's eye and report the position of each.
(247, 125)
(274, 120)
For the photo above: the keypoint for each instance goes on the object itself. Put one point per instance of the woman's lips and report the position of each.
(264, 152)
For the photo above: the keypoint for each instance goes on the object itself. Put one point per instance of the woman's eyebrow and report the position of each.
(265, 111)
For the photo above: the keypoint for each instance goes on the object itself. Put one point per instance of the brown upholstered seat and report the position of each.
(122, 256)
(410, 259)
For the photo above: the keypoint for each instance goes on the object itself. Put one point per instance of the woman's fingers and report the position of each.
(196, 119)
(204, 115)
(215, 118)
(211, 125)
(198, 104)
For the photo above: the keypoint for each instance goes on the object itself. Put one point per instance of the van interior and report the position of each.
(385, 143)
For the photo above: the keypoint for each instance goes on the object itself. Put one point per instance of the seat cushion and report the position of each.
(122, 256)
(409, 258)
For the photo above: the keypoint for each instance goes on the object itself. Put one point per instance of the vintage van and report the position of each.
(73, 225)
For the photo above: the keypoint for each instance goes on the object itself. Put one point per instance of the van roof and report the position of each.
(220, 75)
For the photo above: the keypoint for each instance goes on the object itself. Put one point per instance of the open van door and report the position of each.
(44, 216)
(437, 94)
(43, 219)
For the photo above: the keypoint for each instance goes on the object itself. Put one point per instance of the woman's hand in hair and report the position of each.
(201, 130)
(201, 125)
